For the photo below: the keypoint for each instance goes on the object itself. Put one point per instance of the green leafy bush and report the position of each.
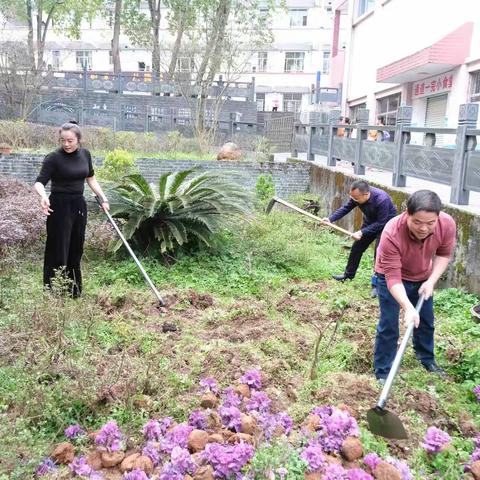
(265, 187)
(117, 164)
(179, 210)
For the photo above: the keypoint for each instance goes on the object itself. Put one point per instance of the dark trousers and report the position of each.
(65, 238)
(388, 331)
(358, 248)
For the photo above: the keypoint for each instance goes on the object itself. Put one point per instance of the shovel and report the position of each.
(130, 251)
(381, 421)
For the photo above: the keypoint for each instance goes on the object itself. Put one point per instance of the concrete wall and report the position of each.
(333, 188)
(289, 178)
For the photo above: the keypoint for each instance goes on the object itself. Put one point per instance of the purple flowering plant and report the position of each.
(259, 401)
(80, 467)
(358, 474)
(136, 474)
(209, 384)
(109, 437)
(46, 466)
(252, 378)
(371, 460)
(227, 461)
(476, 392)
(402, 467)
(74, 431)
(150, 450)
(335, 472)
(152, 431)
(231, 418)
(230, 398)
(313, 455)
(198, 419)
(176, 437)
(435, 440)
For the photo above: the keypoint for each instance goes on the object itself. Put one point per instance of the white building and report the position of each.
(284, 72)
(423, 53)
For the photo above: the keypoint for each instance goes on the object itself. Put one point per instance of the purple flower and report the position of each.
(183, 461)
(136, 474)
(334, 427)
(109, 436)
(80, 467)
(335, 472)
(358, 474)
(209, 384)
(169, 472)
(198, 420)
(253, 379)
(476, 392)
(475, 455)
(177, 436)
(476, 441)
(435, 440)
(230, 398)
(282, 472)
(74, 431)
(284, 419)
(46, 465)
(259, 401)
(152, 431)
(228, 460)
(150, 450)
(313, 455)
(402, 467)
(371, 460)
(231, 418)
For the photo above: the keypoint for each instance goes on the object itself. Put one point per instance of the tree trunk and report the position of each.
(31, 48)
(155, 17)
(177, 44)
(39, 36)
(117, 67)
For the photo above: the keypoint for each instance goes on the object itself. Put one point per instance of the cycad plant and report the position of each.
(182, 209)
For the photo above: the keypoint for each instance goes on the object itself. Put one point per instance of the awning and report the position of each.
(449, 52)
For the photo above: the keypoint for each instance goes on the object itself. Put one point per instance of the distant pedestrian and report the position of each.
(377, 208)
(67, 168)
(415, 249)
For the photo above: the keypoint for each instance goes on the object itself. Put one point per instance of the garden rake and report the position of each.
(130, 251)
(381, 421)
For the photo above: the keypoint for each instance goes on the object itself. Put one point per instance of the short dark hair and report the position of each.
(424, 200)
(347, 120)
(361, 185)
(73, 127)
(381, 118)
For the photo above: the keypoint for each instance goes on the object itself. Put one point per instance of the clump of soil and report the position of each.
(199, 300)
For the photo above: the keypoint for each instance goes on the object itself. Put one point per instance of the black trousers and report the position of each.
(358, 247)
(65, 238)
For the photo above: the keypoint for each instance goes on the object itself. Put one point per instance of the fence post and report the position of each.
(296, 132)
(362, 133)
(312, 130)
(402, 138)
(467, 118)
(333, 119)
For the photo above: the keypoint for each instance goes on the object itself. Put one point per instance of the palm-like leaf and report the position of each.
(182, 209)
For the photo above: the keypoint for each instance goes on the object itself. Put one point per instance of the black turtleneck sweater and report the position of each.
(67, 171)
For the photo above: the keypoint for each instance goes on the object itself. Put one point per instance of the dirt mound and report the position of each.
(199, 300)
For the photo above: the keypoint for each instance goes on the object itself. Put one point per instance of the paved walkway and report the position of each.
(385, 178)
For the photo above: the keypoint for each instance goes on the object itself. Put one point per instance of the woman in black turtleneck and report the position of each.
(67, 168)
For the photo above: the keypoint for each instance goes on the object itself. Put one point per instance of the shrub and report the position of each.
(21, 219)
(265, 188)
(179, 210)
(117, 164)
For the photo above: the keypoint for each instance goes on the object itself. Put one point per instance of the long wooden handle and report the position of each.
(307, 214)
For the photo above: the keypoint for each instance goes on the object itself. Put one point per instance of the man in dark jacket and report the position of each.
(377, 208)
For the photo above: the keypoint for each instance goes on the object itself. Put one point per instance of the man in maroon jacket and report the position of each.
(414, 251)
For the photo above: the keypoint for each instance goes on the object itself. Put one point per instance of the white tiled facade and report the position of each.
(284, 72)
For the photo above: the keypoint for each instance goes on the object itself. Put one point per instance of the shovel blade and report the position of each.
(386, 424)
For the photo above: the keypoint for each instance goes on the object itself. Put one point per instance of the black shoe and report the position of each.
(374, 293)
(434, 368)
(341, 278)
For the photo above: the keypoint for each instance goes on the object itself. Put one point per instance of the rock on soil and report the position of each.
(197, 440)
(352, 449)
(229, 151)
(385, 471)
(63, 453)
(111, 459)
(475, 470)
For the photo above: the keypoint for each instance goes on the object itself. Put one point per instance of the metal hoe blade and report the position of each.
(380, 421)
(386, 424)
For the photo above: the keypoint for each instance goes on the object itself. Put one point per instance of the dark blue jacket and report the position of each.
(377, 211)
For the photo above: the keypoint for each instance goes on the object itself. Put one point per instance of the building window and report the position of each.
(292, 102)
(84, 59)
(298, 17)
(353, 111)
(365, 6)
(260, 102)
(130, 111)
(56, 60)
(326, 63)
(475, 87)
(387, 108)
(294, 61)
(185, 64)
(262, 61)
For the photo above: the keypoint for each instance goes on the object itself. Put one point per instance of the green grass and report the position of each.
(104, 356)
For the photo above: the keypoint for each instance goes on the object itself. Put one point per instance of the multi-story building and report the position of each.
(284, 72)
(407, 52)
